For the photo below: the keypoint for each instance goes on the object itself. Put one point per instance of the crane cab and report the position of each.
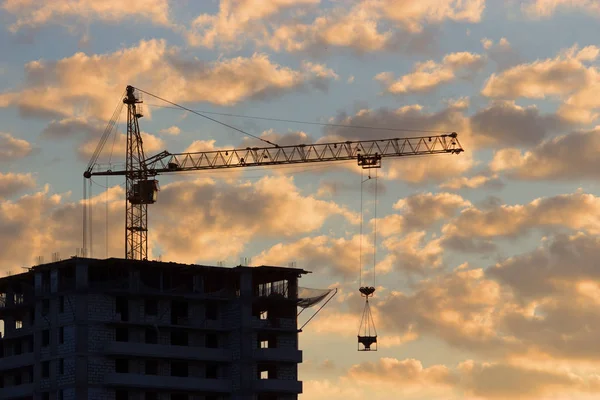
(144, 192)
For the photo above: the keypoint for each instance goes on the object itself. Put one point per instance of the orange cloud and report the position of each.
(11, 183)
(565, 157)
(238, 19)
(546, 8)
(429, 75)
(164, 70)
(473, 182)
(565, 76)
(319, 253)
(152, 144)
(420, 211)
(37, 13)
(575, 211)
(12, 148)
(231, 215)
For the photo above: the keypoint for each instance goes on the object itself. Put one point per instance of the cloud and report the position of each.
(418, 169)
(469, 379)
(411, 253)
(420, 211)
(337, 255)
(52, 87)
(34, 13)
(556, 287)
(474, 182)
(546, 8)
(232, 215)
(194, 220)
(503, 381)
(429, 75)
(566, 157)
(403, 372)
(413, 14)
(461, 307)
(237, 20)
(43, 223)
(71, 127)
(357, 28)
(11, 183)
(172, 130)
(502, 53)
(507, 124)
(564, 77)
(575, 211)
(364, 26)
(12, 148)
(152, 144)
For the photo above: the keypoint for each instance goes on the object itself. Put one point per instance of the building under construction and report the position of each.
(123, 329)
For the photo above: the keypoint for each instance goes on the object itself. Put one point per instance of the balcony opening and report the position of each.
(179, 368)
(151, 336)
(122, 307)
(150, 278)
(179, 313)
(151, 396)
(211, 310)
(122, 335)
(211, 340)
(61, 304)
(122, 365)
(267, 341)
(18, 347)
(45, 338)
(264, 315)
(179, 338)
(151, 307)
(45, 307)
(266, 371)
(151, 367)
(61, 366)
(45, 369)
(211, 371)
(19, 324)
(121, 395)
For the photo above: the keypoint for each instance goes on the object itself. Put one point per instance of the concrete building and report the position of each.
(118, 329)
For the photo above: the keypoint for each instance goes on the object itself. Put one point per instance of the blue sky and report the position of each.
(487, 282)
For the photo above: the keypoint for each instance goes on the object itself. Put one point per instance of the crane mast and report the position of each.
(142, 188)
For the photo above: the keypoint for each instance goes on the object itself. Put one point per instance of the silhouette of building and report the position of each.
(118, 329)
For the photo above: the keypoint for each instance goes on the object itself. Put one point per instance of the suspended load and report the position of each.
(367, 334)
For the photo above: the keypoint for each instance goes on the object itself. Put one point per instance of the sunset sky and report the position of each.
(487, 268)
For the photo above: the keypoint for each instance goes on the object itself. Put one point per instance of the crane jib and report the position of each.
(141, 189)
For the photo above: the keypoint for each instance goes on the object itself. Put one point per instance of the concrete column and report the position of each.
(246, 344)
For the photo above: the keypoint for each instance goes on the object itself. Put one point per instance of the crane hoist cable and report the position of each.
(367, 334)
(294, 121)
(207, 117)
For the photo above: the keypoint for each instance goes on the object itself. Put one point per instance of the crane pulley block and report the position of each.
(144, 192)
(373, 161)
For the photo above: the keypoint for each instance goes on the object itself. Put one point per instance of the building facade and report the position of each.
(119, 329)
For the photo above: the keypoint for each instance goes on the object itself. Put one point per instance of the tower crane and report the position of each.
(140, 171)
